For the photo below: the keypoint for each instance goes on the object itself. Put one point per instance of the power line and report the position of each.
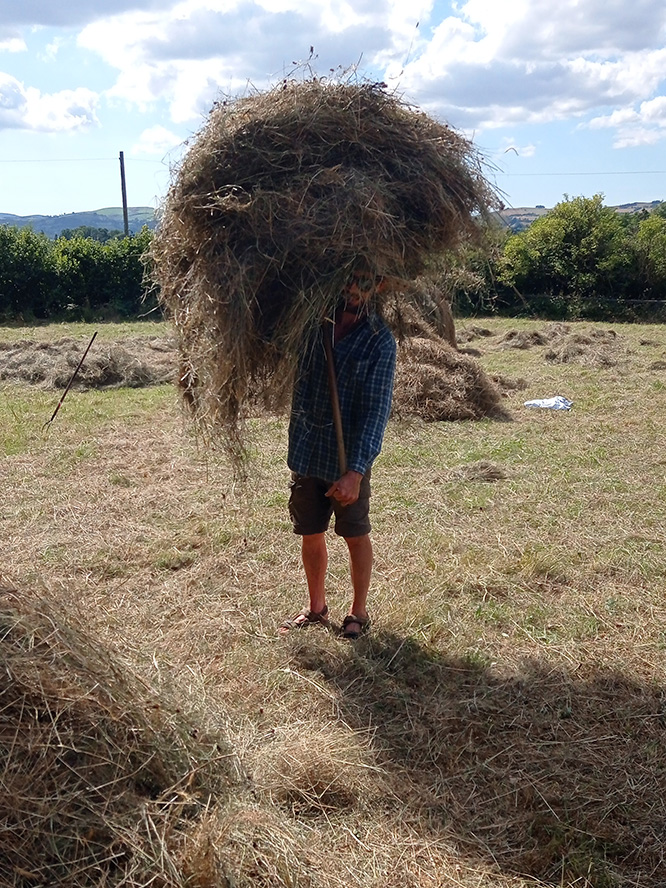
(75, 160)
(598, 173)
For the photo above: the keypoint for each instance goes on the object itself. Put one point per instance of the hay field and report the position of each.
(503, 726)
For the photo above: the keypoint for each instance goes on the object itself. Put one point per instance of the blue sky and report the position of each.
(565, 98)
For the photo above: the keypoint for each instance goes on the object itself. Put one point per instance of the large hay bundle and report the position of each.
(280, 197)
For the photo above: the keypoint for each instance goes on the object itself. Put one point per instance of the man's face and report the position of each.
(359, 290)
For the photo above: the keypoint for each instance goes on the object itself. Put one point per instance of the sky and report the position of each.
(561, 99)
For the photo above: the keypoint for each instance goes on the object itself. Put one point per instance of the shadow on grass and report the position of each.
(539, 773)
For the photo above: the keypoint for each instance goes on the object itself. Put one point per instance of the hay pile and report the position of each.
(99, 777)
(482, 470)
(593, 347)
(469, 334)
(596, 348)
(524, 339)
(434, 382)
(280, 197)
(50, 365)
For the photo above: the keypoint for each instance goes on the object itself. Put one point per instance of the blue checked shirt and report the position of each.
(364, 366)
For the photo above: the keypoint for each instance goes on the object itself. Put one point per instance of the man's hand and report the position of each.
(346, 489)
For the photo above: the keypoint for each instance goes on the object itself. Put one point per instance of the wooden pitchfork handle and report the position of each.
(335, 400)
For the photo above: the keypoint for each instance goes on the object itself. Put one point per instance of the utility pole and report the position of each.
(124, 190)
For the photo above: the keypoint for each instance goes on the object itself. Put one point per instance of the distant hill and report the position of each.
(108, 217)
(515, 218)
(520, 218)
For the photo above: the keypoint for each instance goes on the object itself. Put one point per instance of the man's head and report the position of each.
(361, 287)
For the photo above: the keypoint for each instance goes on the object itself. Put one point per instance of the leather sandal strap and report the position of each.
(352, 618)
(310, 618)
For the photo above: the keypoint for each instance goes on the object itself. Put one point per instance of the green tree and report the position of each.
(576, 261)
(98, 234)
(650, 243)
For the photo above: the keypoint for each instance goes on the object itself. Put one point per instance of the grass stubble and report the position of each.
(502, 726)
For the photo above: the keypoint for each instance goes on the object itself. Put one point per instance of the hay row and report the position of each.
(434, 382)
(130, 363)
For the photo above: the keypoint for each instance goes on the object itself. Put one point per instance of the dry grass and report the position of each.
(501, 728)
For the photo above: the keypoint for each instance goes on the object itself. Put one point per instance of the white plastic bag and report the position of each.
(556, 403)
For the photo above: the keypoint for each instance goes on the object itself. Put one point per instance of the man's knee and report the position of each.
(312, 541)
(358, 542)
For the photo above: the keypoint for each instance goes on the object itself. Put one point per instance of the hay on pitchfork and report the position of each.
(280, 197)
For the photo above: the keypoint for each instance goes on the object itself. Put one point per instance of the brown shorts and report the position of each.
(310, 509)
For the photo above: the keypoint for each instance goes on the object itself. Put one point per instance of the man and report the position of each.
(364, 353)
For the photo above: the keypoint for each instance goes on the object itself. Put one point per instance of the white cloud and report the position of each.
(189, 53)
(541, 29)
(52, 49)
(156, 141)
(29, 109)
(70, 109)
(13, 102)
(486, 64)
(499, 62)
(12, 42)
(654, 111)
(645, 126)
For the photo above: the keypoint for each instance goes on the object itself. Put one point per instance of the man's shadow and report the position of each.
(539, 772)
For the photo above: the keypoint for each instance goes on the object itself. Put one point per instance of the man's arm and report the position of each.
(373, 410)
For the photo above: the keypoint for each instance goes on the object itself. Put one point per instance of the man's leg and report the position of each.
(315, 561)
(360, 561)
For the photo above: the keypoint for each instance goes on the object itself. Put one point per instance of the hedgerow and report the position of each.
(75, 278)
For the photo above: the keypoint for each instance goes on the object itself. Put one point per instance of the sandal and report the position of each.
(352, 620)
(306, 618)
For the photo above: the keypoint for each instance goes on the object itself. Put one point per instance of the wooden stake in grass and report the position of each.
(69, 384)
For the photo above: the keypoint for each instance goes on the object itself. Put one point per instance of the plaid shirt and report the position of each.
(364, 366)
